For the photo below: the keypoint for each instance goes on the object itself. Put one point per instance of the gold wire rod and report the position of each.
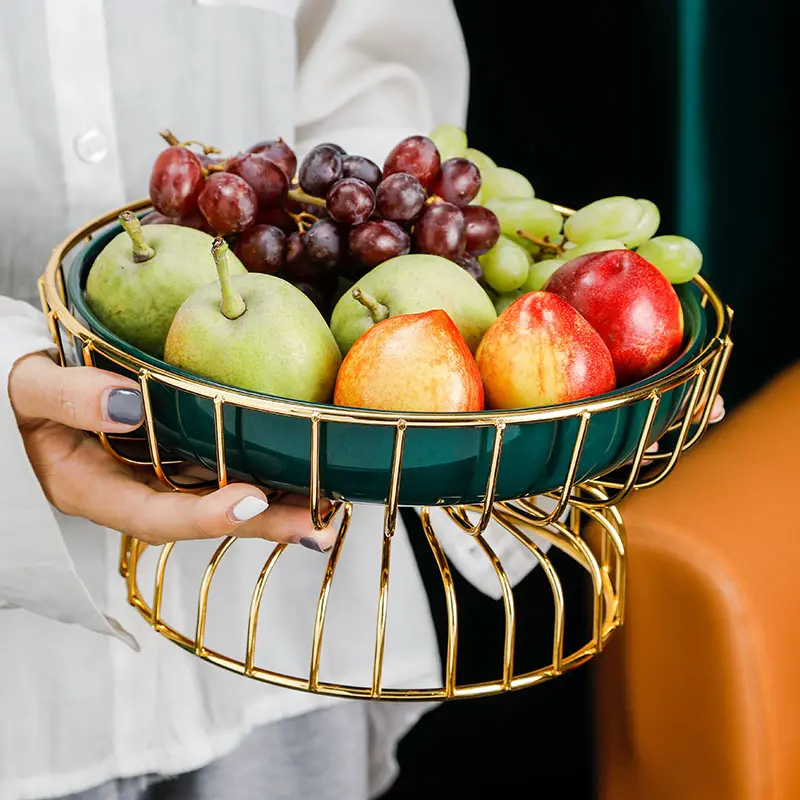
(383, 607)
(393, 499)
(152, 440)
(322, 603)
(569, 481)
(255, 605)
(715, 380)
(517, 515)
(610, 520)
(43, 296)
(491, 481)
(158, 589)
(508, 607)
(635, 465)
(124, 551)
(451, 605)
(319, 519)
(205, 585)
(131, 585)
(555, 587)
(55, 332)
(678, 449)
(219, 441)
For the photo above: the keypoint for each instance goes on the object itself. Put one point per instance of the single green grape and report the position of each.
(506, 266)
(540, 273)
(506, 299)
(450, 140)
(502, 182)
(536, 217)
(479, 159)
(647, 227)
(679, 259)
(597, 246)
(609, 218)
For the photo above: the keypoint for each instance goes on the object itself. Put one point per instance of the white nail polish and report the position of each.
(717, 410)
(247, 508)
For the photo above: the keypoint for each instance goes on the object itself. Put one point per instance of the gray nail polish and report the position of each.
(311, 544)
(125, 406)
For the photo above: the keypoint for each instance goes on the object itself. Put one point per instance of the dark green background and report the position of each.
(684, 102)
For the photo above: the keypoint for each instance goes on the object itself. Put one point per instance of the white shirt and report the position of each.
(85, 86)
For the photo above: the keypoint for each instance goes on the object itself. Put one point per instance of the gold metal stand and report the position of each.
(593, 501)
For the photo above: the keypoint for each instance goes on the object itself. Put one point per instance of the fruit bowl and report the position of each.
(445, 459)
(480, 466)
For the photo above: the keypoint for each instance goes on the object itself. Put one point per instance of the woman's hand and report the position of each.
(55, 405)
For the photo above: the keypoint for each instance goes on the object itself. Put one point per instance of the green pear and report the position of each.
(142, 276)
(413, 284)
(255, 332)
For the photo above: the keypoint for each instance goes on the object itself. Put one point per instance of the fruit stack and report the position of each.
(380, 287)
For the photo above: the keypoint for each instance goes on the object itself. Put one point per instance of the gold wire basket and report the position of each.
(577, 498)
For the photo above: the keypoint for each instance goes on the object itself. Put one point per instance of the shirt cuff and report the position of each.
(37, 572)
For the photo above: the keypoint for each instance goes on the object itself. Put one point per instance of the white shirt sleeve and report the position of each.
(372, 73)
(36, 570)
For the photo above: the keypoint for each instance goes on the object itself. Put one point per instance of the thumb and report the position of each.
(79, 397)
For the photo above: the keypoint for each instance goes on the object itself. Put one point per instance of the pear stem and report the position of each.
(378, 311)
(232, 305)
(141, 250)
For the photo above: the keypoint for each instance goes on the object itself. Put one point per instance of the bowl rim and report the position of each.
(56, 298)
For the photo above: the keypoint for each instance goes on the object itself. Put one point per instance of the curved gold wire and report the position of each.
(255, 605)
(205, 586)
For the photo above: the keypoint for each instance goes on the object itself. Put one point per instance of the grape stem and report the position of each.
(378, 311)
(232, 304)
(141, 250)
(169, 137)
(545, 243)
(299, 196)
(304, 220)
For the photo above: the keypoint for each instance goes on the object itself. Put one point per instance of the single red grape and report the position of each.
(277, 216)
(325, 244)
(483, 229)
(300, 266)
(441, 231)
(400, 197)
(470, 264)
(416, 155)
(320, 169)
(157, 218)
(337, 147)
(228, 203)
(176, 181)
(458, 181)
(260, 248)
(363, 169)
(278, 151)
(350, 201)
(266, 177)
(376, 241)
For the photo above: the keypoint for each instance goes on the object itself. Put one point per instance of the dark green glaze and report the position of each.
(440, 465)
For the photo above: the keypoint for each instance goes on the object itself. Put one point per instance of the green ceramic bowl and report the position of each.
(441, 465)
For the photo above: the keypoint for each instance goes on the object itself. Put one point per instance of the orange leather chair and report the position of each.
(698, 695)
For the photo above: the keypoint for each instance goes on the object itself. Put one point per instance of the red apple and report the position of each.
(630, 304)
(411, 362)
(540, 352)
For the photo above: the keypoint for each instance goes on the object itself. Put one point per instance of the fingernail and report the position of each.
(247, 508)
(310, 543)
(124, 406)
(653, 448)
(717, 410)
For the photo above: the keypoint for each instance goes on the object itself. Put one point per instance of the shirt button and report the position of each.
(91, 147)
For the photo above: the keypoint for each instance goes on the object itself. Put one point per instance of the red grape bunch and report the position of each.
(332, 218)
